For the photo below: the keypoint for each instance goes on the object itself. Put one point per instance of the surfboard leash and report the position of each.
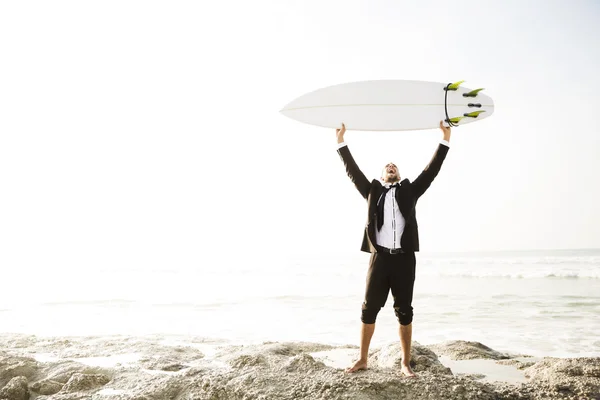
(473, 93)
(446, 90)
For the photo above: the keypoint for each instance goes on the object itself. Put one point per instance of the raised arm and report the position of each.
(423, 181)
(358, 178)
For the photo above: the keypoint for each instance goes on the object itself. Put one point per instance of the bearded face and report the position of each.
(390, 173)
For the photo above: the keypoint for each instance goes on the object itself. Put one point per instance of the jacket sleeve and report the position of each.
(356, 176)
(423, 181)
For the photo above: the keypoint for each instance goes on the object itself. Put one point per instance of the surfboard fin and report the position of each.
(478, 105)
(473, 114)
(454, 120)
(454, 86)
(472, 93)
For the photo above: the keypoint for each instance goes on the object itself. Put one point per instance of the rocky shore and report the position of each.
(159, 368)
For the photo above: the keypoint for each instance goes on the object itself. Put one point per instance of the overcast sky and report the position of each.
(149, 132)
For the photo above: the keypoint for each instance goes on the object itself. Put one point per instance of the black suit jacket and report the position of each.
(406, 195)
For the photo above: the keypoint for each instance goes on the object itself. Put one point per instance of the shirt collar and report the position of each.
(387, 184)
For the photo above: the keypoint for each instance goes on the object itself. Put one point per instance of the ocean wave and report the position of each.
(517, 275)
(553, 260)
(589, 303)
(87, 302)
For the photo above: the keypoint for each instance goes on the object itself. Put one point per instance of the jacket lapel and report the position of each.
(403, 197)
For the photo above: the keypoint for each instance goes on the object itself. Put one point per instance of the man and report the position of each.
(391, 236)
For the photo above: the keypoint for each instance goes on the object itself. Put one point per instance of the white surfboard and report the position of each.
(390, 105)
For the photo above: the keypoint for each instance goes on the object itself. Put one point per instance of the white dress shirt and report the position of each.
(391, 232)
(393, 221)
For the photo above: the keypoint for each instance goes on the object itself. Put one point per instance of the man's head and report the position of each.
(390, 173)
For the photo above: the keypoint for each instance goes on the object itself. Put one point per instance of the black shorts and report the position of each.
(395, 272)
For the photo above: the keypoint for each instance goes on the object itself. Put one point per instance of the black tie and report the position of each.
(380, 205)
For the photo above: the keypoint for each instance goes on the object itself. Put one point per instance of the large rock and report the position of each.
(62, 371)
(167, 364)
(291, 348)
(303, 363)
(462, 350)
(421, 359)
(566, 378)
(266, 355)
(519, 364)
(139, 385)
(16, 389)
(47, 387)
(13, 366)
(82, 382)
(169, 358)
(249, 361)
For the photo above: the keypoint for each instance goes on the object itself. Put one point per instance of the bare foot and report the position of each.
(407, 371)
(360, 364)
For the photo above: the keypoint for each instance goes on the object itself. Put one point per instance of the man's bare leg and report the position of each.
(366, 333)
(405, 340)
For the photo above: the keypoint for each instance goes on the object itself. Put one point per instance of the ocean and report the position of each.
(540, 303)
